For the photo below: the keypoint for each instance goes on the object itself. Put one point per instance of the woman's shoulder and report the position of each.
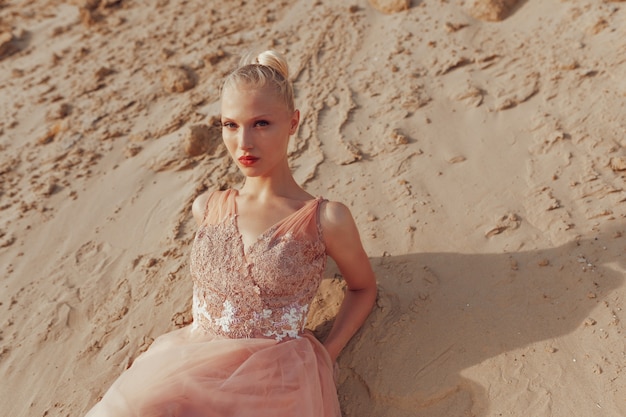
(201, 203)
(335, 215)
(340, 232)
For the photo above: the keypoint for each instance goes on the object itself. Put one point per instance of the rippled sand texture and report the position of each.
(481, 146)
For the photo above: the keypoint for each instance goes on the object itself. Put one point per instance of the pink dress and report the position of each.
(246, 352)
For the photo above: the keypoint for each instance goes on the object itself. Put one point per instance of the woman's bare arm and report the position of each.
(343, 244)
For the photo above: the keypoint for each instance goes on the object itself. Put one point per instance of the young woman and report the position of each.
(256, 263)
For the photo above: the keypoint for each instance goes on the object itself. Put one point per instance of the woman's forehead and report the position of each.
(245, 99)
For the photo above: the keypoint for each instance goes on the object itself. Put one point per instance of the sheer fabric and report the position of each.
(246, 352)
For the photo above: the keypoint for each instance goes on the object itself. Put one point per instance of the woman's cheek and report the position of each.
(229, 142)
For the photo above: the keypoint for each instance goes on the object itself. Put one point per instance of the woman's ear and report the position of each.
(295, 121)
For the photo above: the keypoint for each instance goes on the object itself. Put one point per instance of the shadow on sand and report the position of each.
(440, 313)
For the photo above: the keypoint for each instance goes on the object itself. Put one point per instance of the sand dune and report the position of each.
(479, 144)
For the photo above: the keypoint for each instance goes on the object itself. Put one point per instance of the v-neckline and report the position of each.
(247, 249)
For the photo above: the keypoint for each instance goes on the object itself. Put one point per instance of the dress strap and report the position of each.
(318, 217)
(219, 205)
(303, 222)
(206, 206)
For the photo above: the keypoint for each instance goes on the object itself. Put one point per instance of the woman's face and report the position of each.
(256, 125)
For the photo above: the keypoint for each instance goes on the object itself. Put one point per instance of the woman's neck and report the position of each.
(264, 188)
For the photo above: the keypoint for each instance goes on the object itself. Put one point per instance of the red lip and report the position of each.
(247, 160)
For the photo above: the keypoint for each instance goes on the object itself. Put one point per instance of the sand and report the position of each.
(480, 145)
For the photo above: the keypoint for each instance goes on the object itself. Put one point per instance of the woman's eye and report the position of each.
(262, 123)
(228, 125)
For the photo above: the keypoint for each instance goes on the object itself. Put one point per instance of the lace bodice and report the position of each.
(264, 292)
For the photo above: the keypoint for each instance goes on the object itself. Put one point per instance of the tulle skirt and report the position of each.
(189, 374)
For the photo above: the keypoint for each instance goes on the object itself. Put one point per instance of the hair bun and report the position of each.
(274, 60)
(258, 71)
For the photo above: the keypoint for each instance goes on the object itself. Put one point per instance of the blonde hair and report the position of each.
(269, 68)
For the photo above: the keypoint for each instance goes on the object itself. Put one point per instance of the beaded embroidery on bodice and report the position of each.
(265, 292)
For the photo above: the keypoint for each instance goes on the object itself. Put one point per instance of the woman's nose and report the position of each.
(245, 139)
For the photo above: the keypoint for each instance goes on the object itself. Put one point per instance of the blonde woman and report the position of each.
(256, 263)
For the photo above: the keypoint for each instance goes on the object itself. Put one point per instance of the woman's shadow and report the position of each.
(438, 314)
